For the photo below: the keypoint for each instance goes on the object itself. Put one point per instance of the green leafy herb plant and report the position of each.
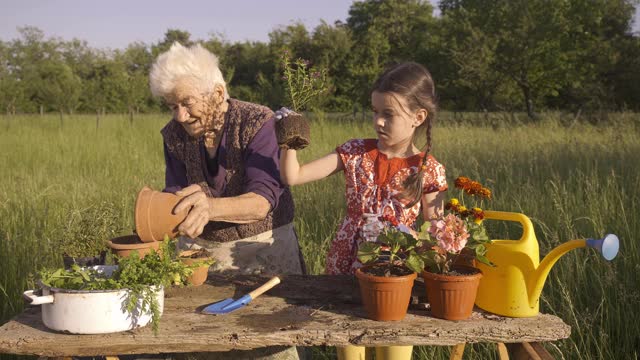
(141, 277)
(84, 230)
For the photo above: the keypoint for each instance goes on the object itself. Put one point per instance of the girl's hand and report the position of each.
(292, 130)
(199, 207)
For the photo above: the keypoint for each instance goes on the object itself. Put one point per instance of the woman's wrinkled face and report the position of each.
(392, 120)
(193, 110)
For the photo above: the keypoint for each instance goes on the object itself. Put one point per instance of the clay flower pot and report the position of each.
(123, 246)
(154, 215)
(452, 296)
(190, 257)
(385, 298)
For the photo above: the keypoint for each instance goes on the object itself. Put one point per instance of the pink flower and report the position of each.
(450, 232)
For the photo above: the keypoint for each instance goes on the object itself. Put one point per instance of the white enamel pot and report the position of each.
(91, 311)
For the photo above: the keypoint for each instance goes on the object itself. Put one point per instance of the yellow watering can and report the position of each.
(512, 288)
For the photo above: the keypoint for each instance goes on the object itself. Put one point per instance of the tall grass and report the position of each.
(573, 179)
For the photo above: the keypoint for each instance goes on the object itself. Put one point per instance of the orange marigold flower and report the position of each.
(478, 214)
(461, 182)
(486, 193)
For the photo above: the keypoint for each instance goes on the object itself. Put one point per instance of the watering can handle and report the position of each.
(527, 226)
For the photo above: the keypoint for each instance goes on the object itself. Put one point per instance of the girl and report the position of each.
(388, 176)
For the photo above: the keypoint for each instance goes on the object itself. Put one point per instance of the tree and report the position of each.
(171, 36)
(400, 25)
(467, 73)
(294, 37)
(11, 89)
(606, 60)
(528, 38)
(25, 56)
(330, 49)
(134, 63)
(60, 87)
(383, 32)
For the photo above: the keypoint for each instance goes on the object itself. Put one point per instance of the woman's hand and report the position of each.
(197, 203)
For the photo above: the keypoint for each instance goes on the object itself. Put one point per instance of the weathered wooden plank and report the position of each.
(302, 311)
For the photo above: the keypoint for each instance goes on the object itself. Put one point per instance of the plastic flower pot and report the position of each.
(123, 246)
(452, 296)
(200, 273)
(154, 215)
(385, 298)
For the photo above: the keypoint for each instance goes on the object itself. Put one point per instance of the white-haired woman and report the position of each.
(222, 155)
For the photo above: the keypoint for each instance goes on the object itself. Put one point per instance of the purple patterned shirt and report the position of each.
(261, 165)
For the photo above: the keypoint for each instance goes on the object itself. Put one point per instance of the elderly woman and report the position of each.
(221, 154)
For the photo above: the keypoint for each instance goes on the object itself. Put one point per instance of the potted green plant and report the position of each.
(113, 298)
(390, 266)
(81, 241)
(199, 262)
(450, 246)
(303, 85)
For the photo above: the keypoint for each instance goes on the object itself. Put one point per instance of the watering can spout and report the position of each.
(607, 246)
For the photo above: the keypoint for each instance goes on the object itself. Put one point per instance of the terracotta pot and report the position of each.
(154, 216)
(123, 246)
(200, 273)
(452, 296)
(385, 298)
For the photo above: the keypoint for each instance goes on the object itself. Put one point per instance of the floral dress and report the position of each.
(372, 183)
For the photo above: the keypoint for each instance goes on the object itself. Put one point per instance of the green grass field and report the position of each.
(77, 180)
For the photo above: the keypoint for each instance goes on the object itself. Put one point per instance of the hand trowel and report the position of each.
(228, 305)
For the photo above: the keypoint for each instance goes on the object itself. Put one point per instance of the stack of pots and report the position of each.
(154, 218)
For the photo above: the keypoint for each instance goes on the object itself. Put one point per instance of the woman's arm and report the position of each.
(292, 173)
(433, 205)
(242, 209)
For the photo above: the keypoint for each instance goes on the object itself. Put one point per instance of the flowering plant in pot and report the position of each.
(450, 246)
(390, 267)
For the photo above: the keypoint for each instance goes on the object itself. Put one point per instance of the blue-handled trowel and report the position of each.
(229, 305)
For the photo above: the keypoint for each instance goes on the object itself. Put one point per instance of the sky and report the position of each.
(116, 23)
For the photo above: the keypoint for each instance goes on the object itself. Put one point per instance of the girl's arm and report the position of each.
(433, 205)
(292, 173)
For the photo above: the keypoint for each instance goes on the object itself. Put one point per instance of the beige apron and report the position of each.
(271, 252)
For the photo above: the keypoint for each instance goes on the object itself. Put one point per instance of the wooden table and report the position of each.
(306, 310)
